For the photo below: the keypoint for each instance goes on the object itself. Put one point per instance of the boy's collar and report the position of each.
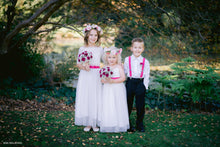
(140, 57)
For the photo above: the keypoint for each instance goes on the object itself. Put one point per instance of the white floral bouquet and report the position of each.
(85, 57)
(105, 72)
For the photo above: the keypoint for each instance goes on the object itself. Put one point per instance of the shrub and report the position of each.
(193, 86)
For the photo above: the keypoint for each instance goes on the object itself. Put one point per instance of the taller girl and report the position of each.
(88, 93)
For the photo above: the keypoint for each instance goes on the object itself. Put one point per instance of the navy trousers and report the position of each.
(135, 88)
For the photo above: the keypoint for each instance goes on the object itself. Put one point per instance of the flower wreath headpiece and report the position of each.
(114, 52)
(93, 26)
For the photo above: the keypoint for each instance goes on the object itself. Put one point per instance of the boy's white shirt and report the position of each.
(136, 68)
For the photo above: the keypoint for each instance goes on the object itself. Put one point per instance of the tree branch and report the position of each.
(170, 18)
(71, 27)
(28, 21)
(51, 10)
(10, 15)
(46, 30)
(202, 16)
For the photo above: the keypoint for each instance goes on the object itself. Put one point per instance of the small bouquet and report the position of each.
(105, 72)
(85, 57)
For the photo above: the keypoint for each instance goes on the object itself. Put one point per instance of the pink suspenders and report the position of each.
(142, 70)
(129, 58)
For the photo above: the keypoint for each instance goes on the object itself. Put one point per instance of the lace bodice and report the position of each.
(116, 73)
(96, 53)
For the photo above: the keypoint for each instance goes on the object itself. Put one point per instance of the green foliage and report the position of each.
(23, 65)
(189, 83)
(39, 90)
(200, 83)
(65, 70)
(203, 84)
(165, 81)
(19, 92)
(61, 67)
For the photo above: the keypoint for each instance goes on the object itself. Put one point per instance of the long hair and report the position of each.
(86, 37)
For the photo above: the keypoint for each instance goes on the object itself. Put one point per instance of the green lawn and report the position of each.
(57, 128)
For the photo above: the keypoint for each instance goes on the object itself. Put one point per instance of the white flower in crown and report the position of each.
(88, 28)
(93, 26)
(98, 28)
(113, 52)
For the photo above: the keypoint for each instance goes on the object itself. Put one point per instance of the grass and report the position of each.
(40, 128)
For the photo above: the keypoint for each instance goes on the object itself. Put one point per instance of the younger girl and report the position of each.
(114, 116)
(88, 94)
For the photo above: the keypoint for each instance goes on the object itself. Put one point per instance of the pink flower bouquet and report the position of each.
(105, 72)
(85, 57)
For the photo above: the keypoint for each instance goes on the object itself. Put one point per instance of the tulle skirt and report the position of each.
(88, 98)
(114, 114)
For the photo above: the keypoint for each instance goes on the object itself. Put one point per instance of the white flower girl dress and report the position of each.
(114, 114)
(88, 93)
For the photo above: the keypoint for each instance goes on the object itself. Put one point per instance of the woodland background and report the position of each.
(38, 49)
(40, 41)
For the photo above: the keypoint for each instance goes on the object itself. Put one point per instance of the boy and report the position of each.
(137, 70)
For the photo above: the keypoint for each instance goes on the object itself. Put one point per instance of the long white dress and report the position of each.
(114, 116)
(88, 91)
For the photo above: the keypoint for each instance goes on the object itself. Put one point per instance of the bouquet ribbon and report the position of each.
(94, 66)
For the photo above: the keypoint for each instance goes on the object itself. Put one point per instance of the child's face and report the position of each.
(93, 37)
(112, 59)
(137, 48)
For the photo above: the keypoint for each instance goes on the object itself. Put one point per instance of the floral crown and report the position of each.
(93, 26)
(113, 51)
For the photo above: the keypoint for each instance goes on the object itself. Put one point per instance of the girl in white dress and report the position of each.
(88, 92)
(114, 116)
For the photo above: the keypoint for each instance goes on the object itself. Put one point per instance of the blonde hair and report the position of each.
(110, 49)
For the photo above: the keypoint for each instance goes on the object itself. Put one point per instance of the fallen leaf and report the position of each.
(183, 131)
(90, 138)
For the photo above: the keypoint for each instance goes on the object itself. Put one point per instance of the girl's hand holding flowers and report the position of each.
(86, 67)
(105, 74)
(84, 58)
(108, 80)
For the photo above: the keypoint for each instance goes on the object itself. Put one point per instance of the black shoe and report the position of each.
(141, 129)
(131, 129)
